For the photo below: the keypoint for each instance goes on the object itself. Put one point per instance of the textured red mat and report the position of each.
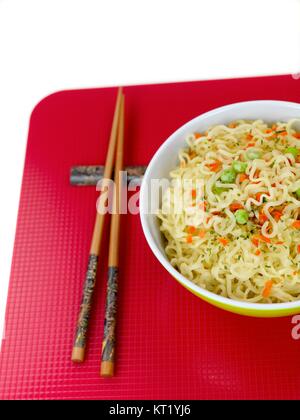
(170, 343)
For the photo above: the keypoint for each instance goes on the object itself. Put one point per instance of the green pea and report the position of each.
(293, 150)
(239, 167)
(298, 193)
(253, 154)
(218, 190)
(228, 176)
(241, 216)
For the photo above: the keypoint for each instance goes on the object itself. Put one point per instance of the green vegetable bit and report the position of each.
(239, 167)
(298, 193)
(241, 216)
(253, 154)
(218, 190)
(293, 150)
(228, 176)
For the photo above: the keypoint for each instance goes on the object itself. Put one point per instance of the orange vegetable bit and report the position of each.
(267, 289)
(262, 218)
(269, 228)
(256, 173)
(279, 243)
(249, 136)
(194, 193)
(223, 241)
(296, 224)
(257, 252)
(268, 131)
(298, 249)
(243, 177)
(189, 239)
(284, 133)
(203, 205)
(250, 145)
(274, 127)
(201, 233)
(232, 125)
(259, 194)
(255, 241)
(296, 135)
(198, 135)
(264, 239)
(191, 229)
(235, 206)
(276, 214)
(214, 167)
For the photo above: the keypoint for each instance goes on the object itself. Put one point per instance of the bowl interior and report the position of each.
(166, 159)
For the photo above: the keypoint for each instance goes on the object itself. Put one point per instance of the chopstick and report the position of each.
(79, 346)
(108, 343)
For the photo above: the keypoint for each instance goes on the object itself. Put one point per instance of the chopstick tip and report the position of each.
(107, 369)
(77, 355)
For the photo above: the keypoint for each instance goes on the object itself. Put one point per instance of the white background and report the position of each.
(48, 45)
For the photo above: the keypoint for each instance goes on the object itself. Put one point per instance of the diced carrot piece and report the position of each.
(250, 145)
(262, 218)
(243, 177)
(268, 131)
(259, 194)
(191, 229)
(277, 215)
(296, 224)
(198, 135)
(189, 239)
(264, 239)
(214, 167)
(235, 206)
(223, 241)
(203, 205)
(283, 133)
(297, 135)
(255, 241)
(274, 127)
(201, 233)
(257, 252)
(279, 243)
(194, 193)
(249, 136)
(267, 289)
(298, 249)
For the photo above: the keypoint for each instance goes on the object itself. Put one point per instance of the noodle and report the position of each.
(239, 238)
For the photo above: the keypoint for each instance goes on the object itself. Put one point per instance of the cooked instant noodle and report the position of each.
(239, 235)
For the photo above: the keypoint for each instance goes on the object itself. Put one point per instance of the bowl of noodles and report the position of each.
(220, 207)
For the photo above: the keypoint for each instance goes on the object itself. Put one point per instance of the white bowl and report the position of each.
(166, 159)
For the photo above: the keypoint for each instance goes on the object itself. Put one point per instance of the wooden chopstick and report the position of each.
(79, 346)
(108, 343)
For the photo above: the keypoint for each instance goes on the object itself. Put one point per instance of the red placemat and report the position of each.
(170, 344)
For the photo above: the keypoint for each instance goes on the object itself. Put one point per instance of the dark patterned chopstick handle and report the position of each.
(85, 309)
(91, 175)
(108, 343)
